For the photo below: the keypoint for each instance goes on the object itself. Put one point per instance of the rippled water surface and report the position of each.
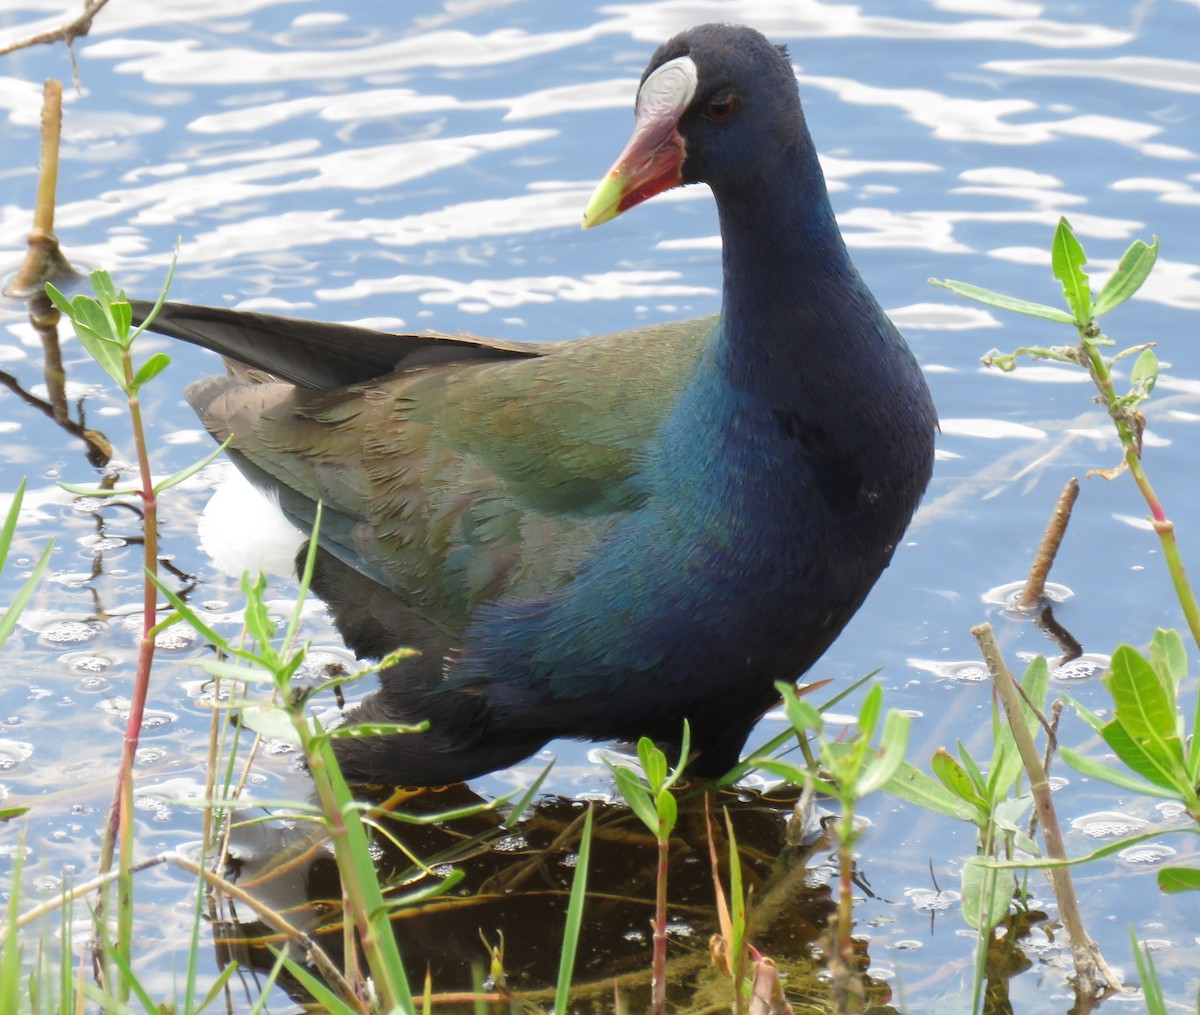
(425, 166)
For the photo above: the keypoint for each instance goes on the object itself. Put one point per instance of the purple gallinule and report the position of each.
(600, 537)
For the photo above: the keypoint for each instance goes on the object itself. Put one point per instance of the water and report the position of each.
(427, 167)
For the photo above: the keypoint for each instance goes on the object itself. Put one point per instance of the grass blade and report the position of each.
(566, 964)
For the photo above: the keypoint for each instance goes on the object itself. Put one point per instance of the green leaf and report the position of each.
(255, 615)
(254, 674)
(88, 314)
(893, 744)
(638, 797)
(794, 774)
(154, 366)
(91, 490)
(1173, 880)
(668, 814)
(121, 316)
(911, 784)
(102, 286)
(1002, 302)
(654, 763)
(972, 768)
(1007, 765)
(186, 473)
(574, 924)
(162, 293)
(1008, 813)
(803, 715)
(271, 722)
(868, 713)
(1152, 992)
(1142, 756)
(1145, 715)
(25, 593)
(1085, 713)
(375, 729)
(1144, 375)
(102, 349)
(324, 996)
(1108, 849)
(1115, 776)
(1136, 264)
(954, 777)
(9, 528)
(8, 620)
(1169, 656)
(987, 894)
(802, 776)
(58, 299)
(1067, 259)
(685, 752)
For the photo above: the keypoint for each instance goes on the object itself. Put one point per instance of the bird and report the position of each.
(602, 537)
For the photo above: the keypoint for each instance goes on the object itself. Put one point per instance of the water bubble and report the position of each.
(1086, 667)
(99, 543)
(1008, 594)
(45, 884)
(510, 844)
(908, 945)
(960, 671)
(69, 632)
(74, 579)
(87, 662)
(322, 664)
(1107, 824)
(1146, 854)
(175, 639)
(12, 753)
(926, 900)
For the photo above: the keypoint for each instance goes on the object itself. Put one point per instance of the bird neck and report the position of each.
(792, 297)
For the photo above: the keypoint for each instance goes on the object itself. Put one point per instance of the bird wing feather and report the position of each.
(458, 482)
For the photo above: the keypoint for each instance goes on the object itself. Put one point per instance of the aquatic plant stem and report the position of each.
(1093, 977)
(1056, 528)
(366, 904)
(141, 681)
(1129, 433)
(43, 258)
(847, 988)
(658, 978)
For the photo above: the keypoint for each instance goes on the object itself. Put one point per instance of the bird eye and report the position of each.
(721, 107)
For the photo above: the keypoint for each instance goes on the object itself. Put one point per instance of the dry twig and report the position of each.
(67, 33)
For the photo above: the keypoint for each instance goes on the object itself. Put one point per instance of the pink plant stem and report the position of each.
(658, 982)
(141, 683)
(1163, 526)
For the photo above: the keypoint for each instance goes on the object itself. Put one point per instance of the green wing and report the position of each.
(456, 482)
